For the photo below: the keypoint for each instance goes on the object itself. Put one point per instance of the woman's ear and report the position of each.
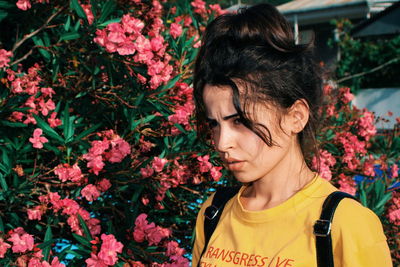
(298, 115)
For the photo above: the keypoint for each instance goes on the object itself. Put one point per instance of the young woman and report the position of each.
(258, 93)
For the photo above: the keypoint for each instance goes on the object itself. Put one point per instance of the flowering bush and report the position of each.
(100, 164)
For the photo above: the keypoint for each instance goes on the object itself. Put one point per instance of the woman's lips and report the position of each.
(234, 164)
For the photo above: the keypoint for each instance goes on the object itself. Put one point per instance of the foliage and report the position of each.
(100, 163)
(376, 59)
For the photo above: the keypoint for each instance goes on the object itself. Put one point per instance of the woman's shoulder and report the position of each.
(355, 221)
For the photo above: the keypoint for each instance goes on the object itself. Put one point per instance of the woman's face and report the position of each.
(242, 151)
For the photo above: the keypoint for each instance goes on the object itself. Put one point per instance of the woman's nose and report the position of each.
(225, 139)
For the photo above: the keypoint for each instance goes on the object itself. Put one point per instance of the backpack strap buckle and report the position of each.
(211, 212)
(322, 228)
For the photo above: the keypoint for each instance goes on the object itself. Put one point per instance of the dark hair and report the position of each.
(256, 50)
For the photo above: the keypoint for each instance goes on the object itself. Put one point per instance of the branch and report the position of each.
(394, 60)
(26, 37)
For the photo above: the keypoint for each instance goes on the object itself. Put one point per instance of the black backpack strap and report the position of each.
(214, 211)
(322, 228)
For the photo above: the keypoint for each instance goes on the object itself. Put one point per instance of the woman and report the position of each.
(258, 93)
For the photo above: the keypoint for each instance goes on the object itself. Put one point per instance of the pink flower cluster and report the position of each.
(346, 95)
(92, 192)
(347, 184)
(112, 148)
(40, 100)
(326, 161)
(23, 242)
(206, 166)
(38, 140)
(183, 97)
(26, 4)
(126, 38)
(394, 209)
(108, 252)
(5, 58)
(149, 231)
(365, 125)
(175, 29)
(352, 146)
(200, 8)
(368, 166)
(67, 207)
(157, 165)
(65, 172)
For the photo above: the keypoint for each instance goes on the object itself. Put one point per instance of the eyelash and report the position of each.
(236, 121)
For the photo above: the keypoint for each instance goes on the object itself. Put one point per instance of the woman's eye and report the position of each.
(238, 121)
(212, 124)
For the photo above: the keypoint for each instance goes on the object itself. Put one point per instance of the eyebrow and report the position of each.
(225, 118)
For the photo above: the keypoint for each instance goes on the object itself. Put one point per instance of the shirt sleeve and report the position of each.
(199, 233)
(358, 237)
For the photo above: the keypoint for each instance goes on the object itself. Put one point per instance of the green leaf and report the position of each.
(48, 236)
(1, 225)
(85, 227)
(82, 240)
(13, 124)
(86, 132)
(104, 24)
(3, 182)
(74, 4)
(381, 203)
(47, 129)
(67, 24)
(106, 10)
(6, 4)
(171, 83)
(69, 36)
(67, 125)
(147, 119)
(3, 14)
(39, 42)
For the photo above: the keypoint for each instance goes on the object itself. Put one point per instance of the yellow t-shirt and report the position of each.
(282, 236)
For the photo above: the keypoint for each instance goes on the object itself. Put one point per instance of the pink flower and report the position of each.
(3, 247)
(158, 164)
(199, 6)
(65, 172)
(95, 261)
(216, 173)
(5, 58)
(37, 140)
(54, 263)
(394, 171)
(53, 121)
(89, 14)
(132, 25)
(346, 95)
(366, 125)
(156, 234)
(90, 192)
(175, 30)
(24, 4)
(119, 150)
(368, 167)
(394, 216)
(45, 107)
(146, 172)
(157, 43)
(204, 164)
(347, 184)
(35, 213)
(109, 249)
(103, 185)
(21, 243)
